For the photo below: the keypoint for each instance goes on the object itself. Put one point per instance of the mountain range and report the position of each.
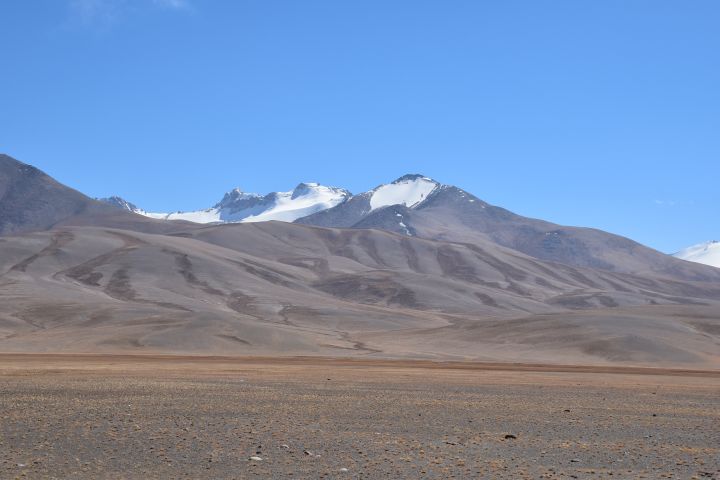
(413, 268)
(237, 206)
(415, 205)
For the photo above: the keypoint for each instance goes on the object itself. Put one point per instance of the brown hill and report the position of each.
(77, 275)
(278, 288)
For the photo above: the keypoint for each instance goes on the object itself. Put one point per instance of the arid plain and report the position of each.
(91, 416)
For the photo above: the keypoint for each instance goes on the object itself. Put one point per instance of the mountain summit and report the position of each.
(120, 203)
(408, 190)
(237, 206)
(707, 253)
(303, 201)
(386, 202)
(31, 200)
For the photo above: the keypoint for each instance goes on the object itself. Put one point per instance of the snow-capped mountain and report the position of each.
(408, 192)
(238, 206)
(707, 253)
(305, 200)
(411, 206)
(417, 206)
(121, 203)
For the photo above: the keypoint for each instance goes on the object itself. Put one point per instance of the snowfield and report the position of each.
(408, 192)
(239, 207)
(306, 199)
(707, 253)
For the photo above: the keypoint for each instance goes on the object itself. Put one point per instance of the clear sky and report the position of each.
(602, 113)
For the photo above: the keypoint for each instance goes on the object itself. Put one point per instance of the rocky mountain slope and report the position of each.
(122, 204)
(31, 200)
(280, 288)
(93, 277)
(415, 205)
(451, 214)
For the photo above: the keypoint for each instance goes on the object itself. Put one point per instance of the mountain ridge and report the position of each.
(706, 253)
(32, 200)
(237, 206)
(411, 205)
(393, 193)
(98, 278)
(288, 289)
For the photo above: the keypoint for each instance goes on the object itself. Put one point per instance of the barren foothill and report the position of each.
(104, 416)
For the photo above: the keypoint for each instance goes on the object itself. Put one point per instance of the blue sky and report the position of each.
(593, 113)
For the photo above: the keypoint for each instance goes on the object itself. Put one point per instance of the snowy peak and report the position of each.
(707, 253)
(319, 191)
(238, 206)
(411, 177)
(120, 203)
(233, 196)
(306, 199)
(408, 190)
(303, 200)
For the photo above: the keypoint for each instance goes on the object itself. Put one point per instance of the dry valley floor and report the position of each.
(75, 416)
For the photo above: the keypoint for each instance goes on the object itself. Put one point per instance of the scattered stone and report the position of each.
(405, 448)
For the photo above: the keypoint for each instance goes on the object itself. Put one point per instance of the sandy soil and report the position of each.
(90, 416)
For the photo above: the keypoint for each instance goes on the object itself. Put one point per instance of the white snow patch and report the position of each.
(407, 232)
(707, 253)
(288, 206)
(288, 209)
(406, 192)
(211, 215)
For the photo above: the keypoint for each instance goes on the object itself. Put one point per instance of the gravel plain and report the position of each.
(181, 417)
